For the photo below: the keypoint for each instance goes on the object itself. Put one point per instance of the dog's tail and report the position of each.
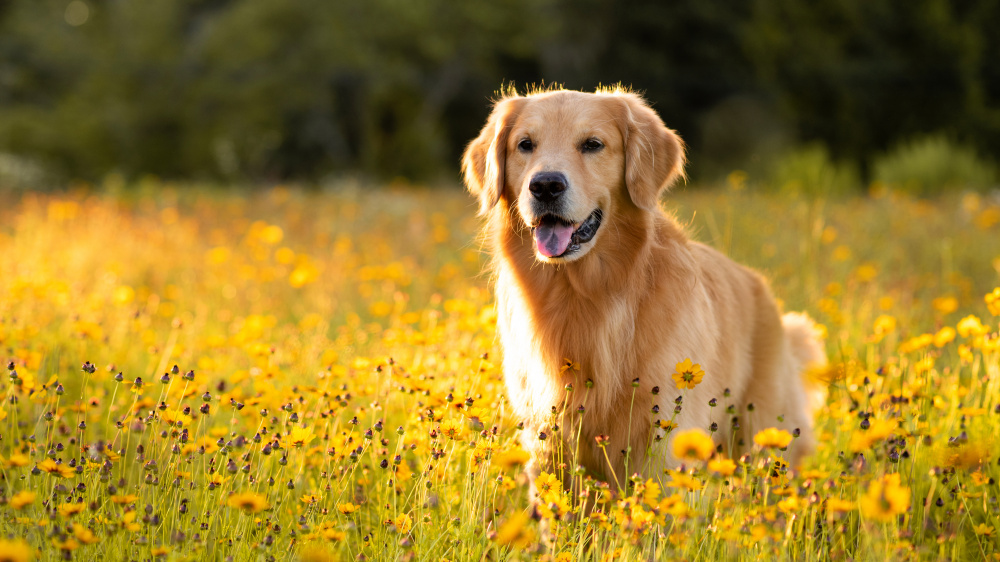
(805, 340)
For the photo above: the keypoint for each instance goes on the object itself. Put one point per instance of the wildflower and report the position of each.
(837, 505)
(514, 457)
(333, 535)
(790, 504)
(971, 326)
(311, 499)
(993, 301)
(724, 467)
(983, 529)
(161, 550)
(945, 305)
(884, 324)
(885, 499)
(688, 374)
(69, 545)
(679, 479)
(248, 502)
(15, 551)
(773, 437)
(128, 521)
(693, 444)
(17, 459)
(877, 431)
(403, 523)
(347, 508)
(21, 499)
(300, 436)
(70, 509)
(515, 532)
(452, 429)
(59, 469)
(548, 486)
(124, 499)
(84, 535)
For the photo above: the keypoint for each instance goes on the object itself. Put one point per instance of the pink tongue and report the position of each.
(553, 239)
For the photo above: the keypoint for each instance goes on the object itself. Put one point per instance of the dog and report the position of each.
(600, 294)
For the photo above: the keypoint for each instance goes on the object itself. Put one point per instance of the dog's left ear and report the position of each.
(654, 154)
(485, 159)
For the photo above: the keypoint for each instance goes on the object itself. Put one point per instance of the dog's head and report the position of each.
(568, 161)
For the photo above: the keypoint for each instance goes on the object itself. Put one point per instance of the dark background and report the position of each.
(274, 90)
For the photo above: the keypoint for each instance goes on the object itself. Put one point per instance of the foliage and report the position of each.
(924, 165)
(196, 375)
(265, 89)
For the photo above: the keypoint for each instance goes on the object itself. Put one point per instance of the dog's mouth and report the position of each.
(555, 237)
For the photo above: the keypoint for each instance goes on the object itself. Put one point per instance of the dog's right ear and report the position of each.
(486, 157)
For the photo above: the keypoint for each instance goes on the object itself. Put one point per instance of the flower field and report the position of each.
(191, 373)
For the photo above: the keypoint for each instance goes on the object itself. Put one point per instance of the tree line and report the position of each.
(266, 90)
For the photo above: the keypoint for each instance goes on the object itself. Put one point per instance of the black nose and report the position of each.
(548, 186)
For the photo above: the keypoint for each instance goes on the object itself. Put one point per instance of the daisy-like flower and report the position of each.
(773, 437)
(511, 458)
(688, 374)
(70, 509)
(885, 499)
(452, 429)
(548, 484)
(84, 535)
(248, 502)
(58, 469)
(403, 523)
(724, 467)
(693, 444)
(347, 508)
(311, 499)
(515, 532)
(300, 436)
(15, 551)
(21, 499)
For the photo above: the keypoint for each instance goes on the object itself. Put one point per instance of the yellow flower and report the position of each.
(452, 429)
(403, 523)
(59, 469)
(885, 499)
(21, 499)
(124, 499)
(877, 431)
(128, 521)
(68, 545)
(161, 550)
(983, 529)
(993, 301)
(15, 551)
(17, 459)
(548, 485)
(347, 508)
(693, 444)
(515, 532)
(679, 479)
(70, 509)
(688, 374)
(725, 467)
(84, 535)
(248, 501)
(514, 457)
(300, 436)
(837, 505)
(773, 437)
(311, 499)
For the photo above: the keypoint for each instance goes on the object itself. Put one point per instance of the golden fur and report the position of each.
(630, 303)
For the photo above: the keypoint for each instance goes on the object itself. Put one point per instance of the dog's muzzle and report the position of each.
(556, 237)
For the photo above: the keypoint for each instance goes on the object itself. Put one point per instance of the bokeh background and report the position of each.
(828, 95)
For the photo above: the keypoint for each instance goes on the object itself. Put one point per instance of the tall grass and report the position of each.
(197, 375)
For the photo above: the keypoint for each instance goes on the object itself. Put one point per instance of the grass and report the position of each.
(195, 374)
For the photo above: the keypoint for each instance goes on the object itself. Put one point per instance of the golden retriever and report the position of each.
(600, 294)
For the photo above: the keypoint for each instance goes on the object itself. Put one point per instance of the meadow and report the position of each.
(196, 373)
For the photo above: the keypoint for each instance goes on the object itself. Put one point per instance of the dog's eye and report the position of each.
(591, 145)
(525, 145)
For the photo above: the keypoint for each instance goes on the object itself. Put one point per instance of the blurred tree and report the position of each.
(274, 89)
